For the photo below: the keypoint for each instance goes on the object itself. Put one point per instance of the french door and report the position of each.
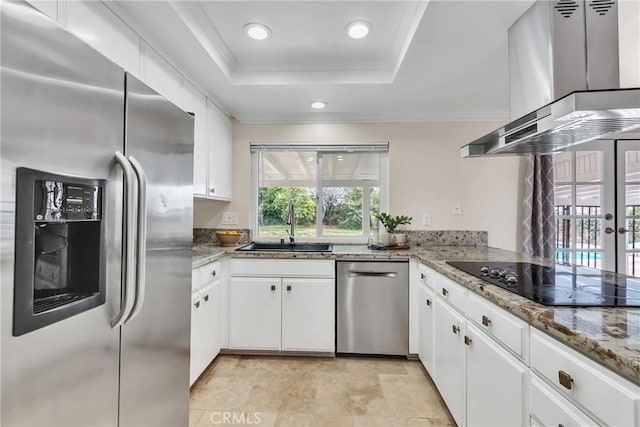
(627, 230)
(585, 205)
(597, 205)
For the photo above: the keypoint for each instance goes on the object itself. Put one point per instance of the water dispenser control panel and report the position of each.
(64, 201)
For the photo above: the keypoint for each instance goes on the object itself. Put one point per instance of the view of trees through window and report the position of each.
(334, 193)
(342, 207)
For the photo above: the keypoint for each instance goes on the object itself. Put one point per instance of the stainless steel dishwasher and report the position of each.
(373, 307)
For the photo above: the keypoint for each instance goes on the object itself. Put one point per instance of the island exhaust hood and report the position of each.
(574, 72)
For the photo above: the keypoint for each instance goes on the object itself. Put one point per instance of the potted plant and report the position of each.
(390, 224)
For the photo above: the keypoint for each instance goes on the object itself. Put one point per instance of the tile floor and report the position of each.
(314, 391)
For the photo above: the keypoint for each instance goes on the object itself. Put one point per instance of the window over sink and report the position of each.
(335, 189)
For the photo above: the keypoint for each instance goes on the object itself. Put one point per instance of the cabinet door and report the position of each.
(550, 408)
(449, 358)
(426, 308)
(308, 313)
(196, 103)
(210, 337)
(105, 32)
(254, 313)
(496, 383)
(220, 144)
(196, 332)
(161, 76)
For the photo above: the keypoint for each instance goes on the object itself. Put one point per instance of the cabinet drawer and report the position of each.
(550, 408)
(427, 276)
(507, 329)
(207, 274)
(451, 292)
(195, 284)
(593, 387)
(282, 268)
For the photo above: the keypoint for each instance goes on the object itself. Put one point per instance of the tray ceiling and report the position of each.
(437, 60)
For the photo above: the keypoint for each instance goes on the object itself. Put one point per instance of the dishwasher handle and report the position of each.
(359, 273)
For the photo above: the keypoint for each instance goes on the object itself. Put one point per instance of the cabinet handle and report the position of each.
(422, 276)
(212, 190)
(456, 329)
(273, 287)
(197, 304)
(485, 320)
(444, 292)
(213, 273)
(288, 287)
(565, 380)
(206, 298)
(428, 302)
(467, 340)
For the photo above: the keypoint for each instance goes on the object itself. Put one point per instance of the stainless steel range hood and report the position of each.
(574, 70)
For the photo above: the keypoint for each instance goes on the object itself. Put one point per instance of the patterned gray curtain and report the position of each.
(539, 217)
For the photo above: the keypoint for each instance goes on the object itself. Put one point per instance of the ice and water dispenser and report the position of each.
(60, 248)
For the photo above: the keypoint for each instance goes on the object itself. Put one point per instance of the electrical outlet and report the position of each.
(230, 218)
(457, 208)
(426, 219)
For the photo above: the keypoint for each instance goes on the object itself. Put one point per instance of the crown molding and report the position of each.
(197, 21)
(343, 118)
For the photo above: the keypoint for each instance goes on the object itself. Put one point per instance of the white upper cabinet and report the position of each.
(196, 103)
(161, 76)
(105, 32)
(220, 152)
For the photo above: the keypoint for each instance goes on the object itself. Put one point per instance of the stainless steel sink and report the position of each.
(286, 247)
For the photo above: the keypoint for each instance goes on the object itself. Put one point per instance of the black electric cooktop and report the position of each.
(561, 285)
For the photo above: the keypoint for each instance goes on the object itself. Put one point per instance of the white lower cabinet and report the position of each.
(308, 315)
(450, 365)
(496, 383)
(426, 314)
(550, 408)
(493, 369)
(254, 313)
(282, 305)
(206, 306)
(288, 314)
(205, 328)
(607, 397)
(197, 324)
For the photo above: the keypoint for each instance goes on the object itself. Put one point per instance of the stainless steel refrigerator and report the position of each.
(95, 243)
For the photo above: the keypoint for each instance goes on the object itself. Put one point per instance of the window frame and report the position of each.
(381, 148)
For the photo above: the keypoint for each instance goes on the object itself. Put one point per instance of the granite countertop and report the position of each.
(610, 336)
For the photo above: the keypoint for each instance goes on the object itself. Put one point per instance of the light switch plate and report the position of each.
(230, 218)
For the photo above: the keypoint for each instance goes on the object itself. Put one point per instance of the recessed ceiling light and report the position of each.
(358, 29)
(309, 159)
(257, 31)
(319, 105)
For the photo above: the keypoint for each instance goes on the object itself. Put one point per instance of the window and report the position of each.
(335, 190)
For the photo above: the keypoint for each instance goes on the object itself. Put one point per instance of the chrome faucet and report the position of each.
(291, 220)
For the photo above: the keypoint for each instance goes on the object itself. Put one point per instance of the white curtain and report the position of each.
(539, 217)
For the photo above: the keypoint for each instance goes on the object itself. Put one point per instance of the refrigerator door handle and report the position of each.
(141, 251)
(129, 255)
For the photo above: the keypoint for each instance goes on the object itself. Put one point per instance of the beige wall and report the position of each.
(426, 174)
